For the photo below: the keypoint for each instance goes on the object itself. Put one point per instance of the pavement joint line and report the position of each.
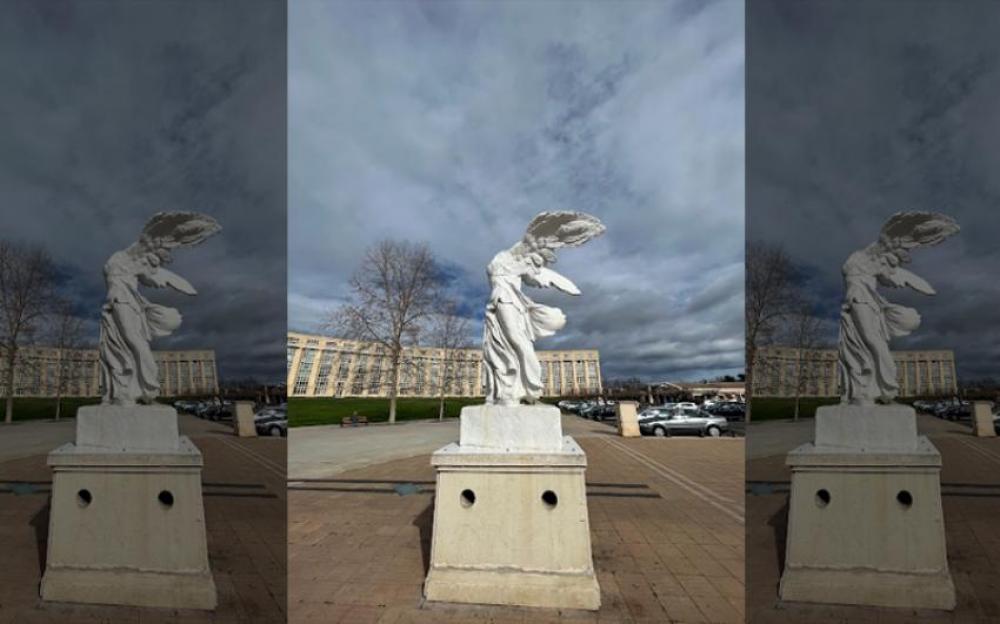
(982, 453)
(709, 491)
(957, 490)
(242, 494)
(273, 464)
(278, 466)
(985, 452)
(695, 488)
(263, 461)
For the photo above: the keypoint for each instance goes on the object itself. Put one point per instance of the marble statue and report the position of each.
(513, 321)
(128, 320)
(867, 320)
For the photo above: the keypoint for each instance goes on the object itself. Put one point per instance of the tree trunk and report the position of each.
(59, 384)
(394, 388)
(798, 384)
(748, 380)
(9, 382)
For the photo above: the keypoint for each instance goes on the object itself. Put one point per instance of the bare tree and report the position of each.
(770, 295)
(449, 332)
(395, 292)
(67, 336)
(27, 280)
(803, 333)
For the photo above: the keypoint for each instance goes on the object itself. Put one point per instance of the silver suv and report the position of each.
(667, 421)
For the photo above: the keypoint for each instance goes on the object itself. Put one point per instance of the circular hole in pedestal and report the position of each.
(166, 499)
(468, 498)
(822, 498)
(550, 499)
(84, 497)
(905, 499)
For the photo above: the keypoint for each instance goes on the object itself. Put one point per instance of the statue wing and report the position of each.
(176, 282)
(180, 229)
(918, 229)
(545, 278)
(914, 281)
(551, 230)
(160, 277)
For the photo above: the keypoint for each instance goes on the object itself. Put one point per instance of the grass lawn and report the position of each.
(34, 408)
(329, 411)
(37, 408)
(774, 408)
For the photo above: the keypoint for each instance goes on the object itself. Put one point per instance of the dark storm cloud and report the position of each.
(116, 110)
(861, 109)
(455, 123)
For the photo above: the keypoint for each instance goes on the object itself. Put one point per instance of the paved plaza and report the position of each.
(666, 518)
(970, 482)
(245, 509)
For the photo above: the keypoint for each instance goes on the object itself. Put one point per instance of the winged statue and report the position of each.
(513, 321)
(128, 320)
(867, 320)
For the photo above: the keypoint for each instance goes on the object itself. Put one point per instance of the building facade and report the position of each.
(719, 390)
(40, 370)
(322, 366)
(919, 373)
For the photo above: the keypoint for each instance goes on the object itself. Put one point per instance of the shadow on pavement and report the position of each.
(40, 522)
(779, 523)
(424, 523)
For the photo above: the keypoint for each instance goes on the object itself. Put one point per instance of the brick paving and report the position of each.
(358, 550)
(970, 479)
(245, 513)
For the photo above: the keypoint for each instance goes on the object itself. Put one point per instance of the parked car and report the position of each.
(185, 407)
(728, 410)
(960, 411)
(666, 422)
(224, 411)
(203, 409)
(271, 421)
(571, 406)
(600, 412)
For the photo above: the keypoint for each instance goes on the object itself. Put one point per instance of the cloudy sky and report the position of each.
(114, 111)
(858, 110)
(454, 124)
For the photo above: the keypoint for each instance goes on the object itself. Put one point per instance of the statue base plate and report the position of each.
(511, 528)
(128, 528)
(131, 428)
(512, 428)
(866, 527)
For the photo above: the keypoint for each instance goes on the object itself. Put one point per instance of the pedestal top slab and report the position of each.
(129, 429)
(810, 455)
(569, 454)
(513, 428)
(186, 454)
(876, 428)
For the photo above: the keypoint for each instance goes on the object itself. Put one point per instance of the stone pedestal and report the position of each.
(865, 523)
(628, 419)
(511, 524)
(982, 420)
(127, 527)
(243, 423)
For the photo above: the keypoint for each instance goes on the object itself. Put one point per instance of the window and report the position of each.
(323, 375)
(358, 387)
(305, 370)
